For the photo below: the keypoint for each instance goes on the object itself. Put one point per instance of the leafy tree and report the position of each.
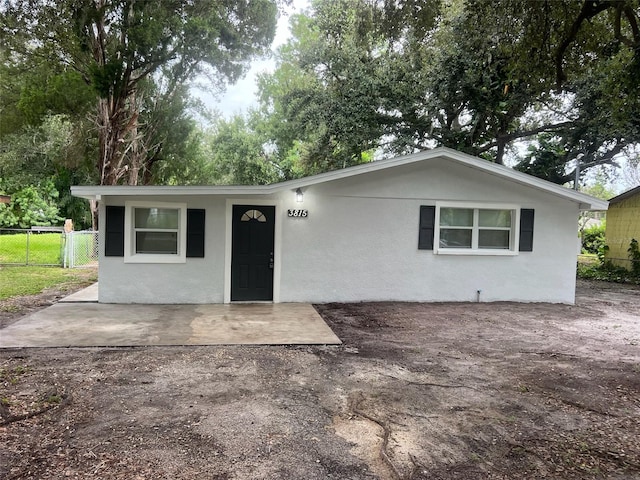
(38, 162)
(330, 91)
(591, 225)
(546, 158)
(194, 167)
(631, 172)
(31, 205)
(476, 76)
(238, 155)
(123, 47)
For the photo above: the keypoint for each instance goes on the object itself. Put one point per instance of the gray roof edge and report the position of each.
(586, 202)
(91, 191)
(624, 195)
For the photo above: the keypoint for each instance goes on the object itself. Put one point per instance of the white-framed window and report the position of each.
(155, 232)
(463, 228)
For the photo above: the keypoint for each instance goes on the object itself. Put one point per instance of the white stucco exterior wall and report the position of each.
(198, 280)
(360, 243)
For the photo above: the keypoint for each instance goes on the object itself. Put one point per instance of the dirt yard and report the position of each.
(417, 391)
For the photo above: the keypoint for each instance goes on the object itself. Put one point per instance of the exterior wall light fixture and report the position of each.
(299, 195)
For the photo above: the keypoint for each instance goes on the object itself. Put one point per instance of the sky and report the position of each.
(243, 94)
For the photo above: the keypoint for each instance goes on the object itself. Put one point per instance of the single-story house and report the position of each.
(623, 225)
(438, 225)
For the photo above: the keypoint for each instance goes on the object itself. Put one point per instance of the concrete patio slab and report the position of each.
(87, 324)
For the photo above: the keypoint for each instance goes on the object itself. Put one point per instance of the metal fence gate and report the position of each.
(80, 249)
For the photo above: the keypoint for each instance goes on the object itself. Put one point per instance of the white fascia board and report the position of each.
(586, 202)
(91, 192)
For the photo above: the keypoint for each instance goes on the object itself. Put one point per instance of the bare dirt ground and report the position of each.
(417, 391)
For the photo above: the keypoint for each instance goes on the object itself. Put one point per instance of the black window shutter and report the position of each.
(114, 231)
(526, 229)
(195, 232)
(427, 223)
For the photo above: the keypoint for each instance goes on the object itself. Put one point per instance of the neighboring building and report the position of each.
(437, 225)
(623, 225)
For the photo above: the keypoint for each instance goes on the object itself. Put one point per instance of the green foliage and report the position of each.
(135, 59)
(477, 76)
(609, 272)
(31, 206)
(18, 281)
(191, 166)
(37, 167)
(238, 156)
(634, 256)
(593, 238)
(603, 249)
(599, 188)
(11, 376)
(323, 102)
(545, 159)
(45, 92)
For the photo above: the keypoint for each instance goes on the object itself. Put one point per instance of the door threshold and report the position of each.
(248, 302)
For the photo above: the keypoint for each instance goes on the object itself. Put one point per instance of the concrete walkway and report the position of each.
(85, 323)
(89, 294)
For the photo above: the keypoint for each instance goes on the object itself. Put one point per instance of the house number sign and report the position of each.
(298, 213)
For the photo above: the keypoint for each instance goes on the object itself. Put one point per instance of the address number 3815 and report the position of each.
(298, 213)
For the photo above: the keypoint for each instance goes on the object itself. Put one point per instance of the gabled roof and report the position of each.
(625, 195)
(586, 202)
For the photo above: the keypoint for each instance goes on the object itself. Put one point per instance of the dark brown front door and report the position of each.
(252, 252)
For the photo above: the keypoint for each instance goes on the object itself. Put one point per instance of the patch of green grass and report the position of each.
(53, 399)
(18, 281)
(43, 248)
(588, 259)
(11, 375)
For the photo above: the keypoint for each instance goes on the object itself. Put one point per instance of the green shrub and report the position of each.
(609, 272)
(634, 256)
(593, 238)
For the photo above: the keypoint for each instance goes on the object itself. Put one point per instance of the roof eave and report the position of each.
(97, 192)
(625, 195)
(585, 202)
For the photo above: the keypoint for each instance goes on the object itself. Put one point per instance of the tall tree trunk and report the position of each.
(109, 141)
(122, 151)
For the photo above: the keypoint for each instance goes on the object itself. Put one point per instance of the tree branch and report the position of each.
(604, 159)
(523, 134)
(630, 14)
(589, 10)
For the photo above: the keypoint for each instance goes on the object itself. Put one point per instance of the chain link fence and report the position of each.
(31, 247)
(48, 246)
(80, 249)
